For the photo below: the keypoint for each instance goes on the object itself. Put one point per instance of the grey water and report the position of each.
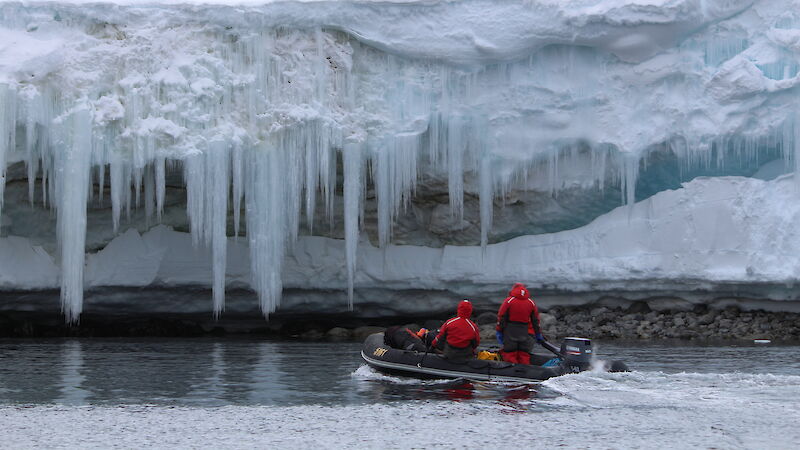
(247, 393)
(218, 372)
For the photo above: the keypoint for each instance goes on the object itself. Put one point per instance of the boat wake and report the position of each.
(367, 373)
(600, 389)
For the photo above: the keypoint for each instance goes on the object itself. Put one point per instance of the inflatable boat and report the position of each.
(574, 356)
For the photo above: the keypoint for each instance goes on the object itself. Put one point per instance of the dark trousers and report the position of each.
(517, 343)
(458, 355)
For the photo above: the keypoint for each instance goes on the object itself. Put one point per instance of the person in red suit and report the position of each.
(518, 325)
(459, 337)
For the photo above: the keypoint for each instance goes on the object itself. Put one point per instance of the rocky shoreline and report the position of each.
(699, 324)
(611, 324)
(636, 323)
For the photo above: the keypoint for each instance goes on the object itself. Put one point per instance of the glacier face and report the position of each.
(511, 126)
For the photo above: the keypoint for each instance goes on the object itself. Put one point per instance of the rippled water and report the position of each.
(243, 393)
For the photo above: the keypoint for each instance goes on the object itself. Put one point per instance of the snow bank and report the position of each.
(728, 230)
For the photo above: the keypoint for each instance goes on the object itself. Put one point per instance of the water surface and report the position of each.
(242, 393)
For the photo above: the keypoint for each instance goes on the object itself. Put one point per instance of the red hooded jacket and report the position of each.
(460, 331)
(519, 307)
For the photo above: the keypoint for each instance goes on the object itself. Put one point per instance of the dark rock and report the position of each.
(486, 318)
(217, 331)
(433, 324)
(488, 336)
(546, 320)
(639, 307)
(338, 333)
(312, 335)
(706, 319)
(361, 333)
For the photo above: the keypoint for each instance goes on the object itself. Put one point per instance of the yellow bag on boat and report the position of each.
(489, 356)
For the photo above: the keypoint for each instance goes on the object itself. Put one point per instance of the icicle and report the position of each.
(32, 159)
(312, 151)
(75, 161)
(486, 200)
(394, 176)
(455, 167)
(161, 186)
(137, 185)
(794, 142)
(6, 129)
(265, 225)
(33, 168)
(630, 174)
(293, 170)
(434, 139)
(217, 174)
(101, 183)
(45, 187)
(237, 180)
(329, 183)
(149, 193)
(90, 187)
(115, 169)
(352, 197)
(207, 179)
(126, 189)
(383, 191)
(404, 156)
(194, 174)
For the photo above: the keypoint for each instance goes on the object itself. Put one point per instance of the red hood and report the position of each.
(464, 309)
(520, 291)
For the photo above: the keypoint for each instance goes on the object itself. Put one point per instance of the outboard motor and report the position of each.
(577, 353)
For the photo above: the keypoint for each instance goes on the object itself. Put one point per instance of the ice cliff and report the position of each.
(297, 142)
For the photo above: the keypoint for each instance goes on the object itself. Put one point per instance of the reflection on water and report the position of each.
(72, 379)
(203, 372)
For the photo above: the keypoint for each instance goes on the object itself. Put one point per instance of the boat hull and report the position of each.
(430, 365)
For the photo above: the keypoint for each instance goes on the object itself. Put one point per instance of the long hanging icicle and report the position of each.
(72, 179)
(456, 143)
(6, 126)
(312, 150)
(149, 193)
(207, 182)
(217, 174)
(352, 200)
(486, 199)
(237, 180)
(383, 190)
(101, 183)
(265, 224)
(630, 175)
(115, 171)
(31, 158)
(793, 141)
(161, 186)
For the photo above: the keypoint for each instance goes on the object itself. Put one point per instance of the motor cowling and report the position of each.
(577, 353)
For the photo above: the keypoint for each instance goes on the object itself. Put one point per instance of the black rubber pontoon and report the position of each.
(431, 365)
